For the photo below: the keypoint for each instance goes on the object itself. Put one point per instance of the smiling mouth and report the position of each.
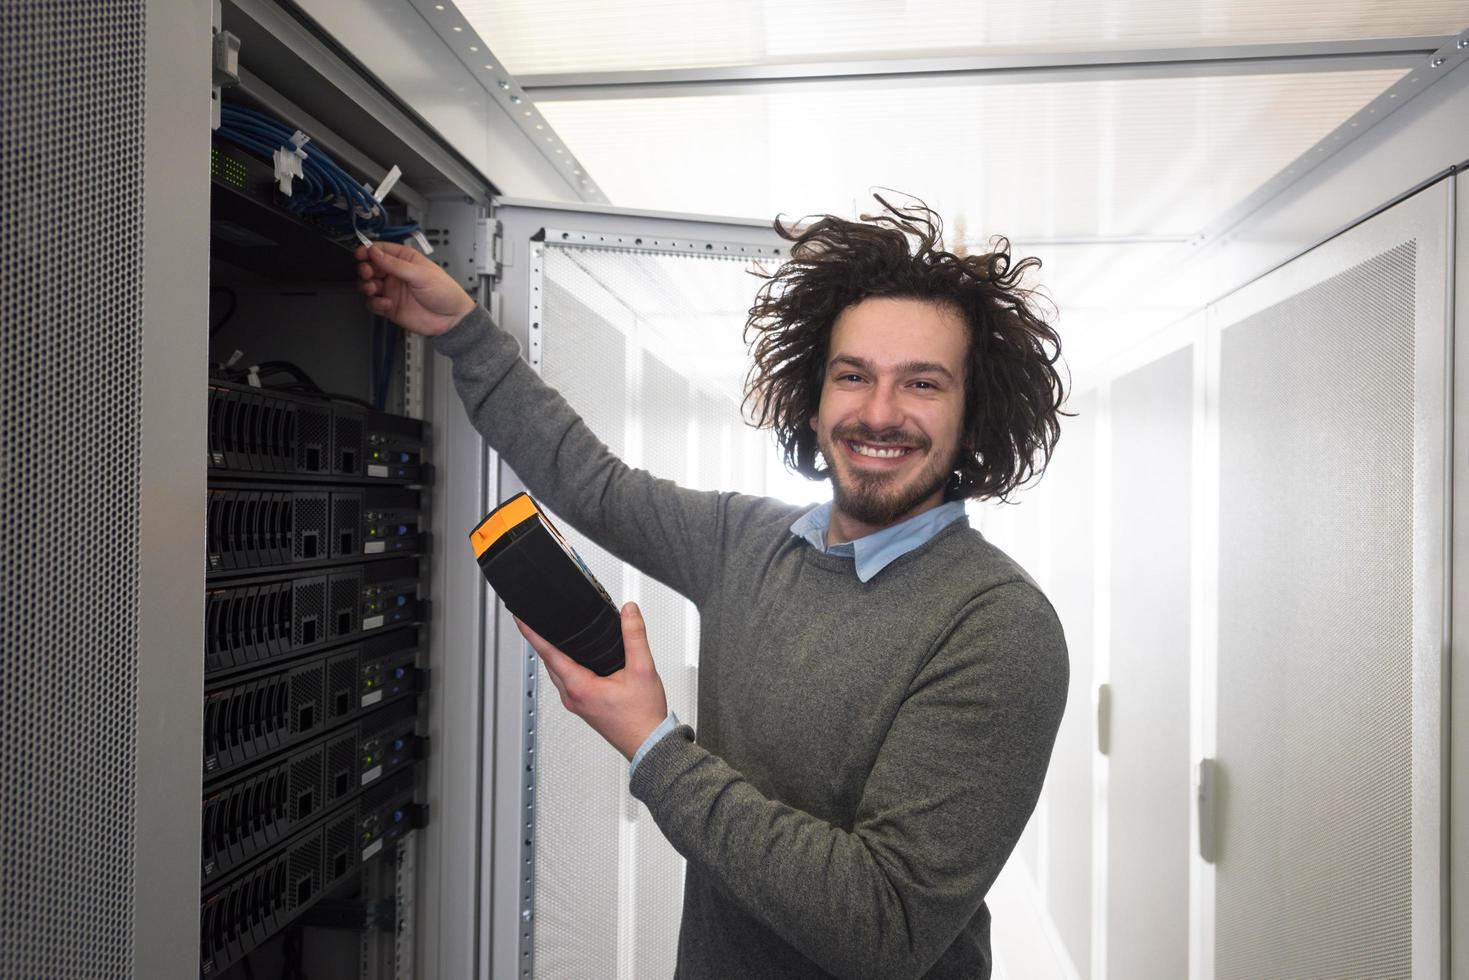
(869, 450)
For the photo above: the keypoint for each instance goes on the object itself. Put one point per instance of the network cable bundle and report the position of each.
(309, 183)
(544, 583)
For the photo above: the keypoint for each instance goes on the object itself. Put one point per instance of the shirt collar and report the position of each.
(874, 552)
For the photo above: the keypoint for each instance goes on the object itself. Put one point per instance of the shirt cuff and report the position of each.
(667, 725)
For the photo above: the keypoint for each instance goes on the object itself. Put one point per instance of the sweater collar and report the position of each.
(874, 552)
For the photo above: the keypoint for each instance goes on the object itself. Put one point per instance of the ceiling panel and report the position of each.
(540, 36)
(1148, 157)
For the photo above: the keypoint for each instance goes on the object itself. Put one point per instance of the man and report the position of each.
(879, 686)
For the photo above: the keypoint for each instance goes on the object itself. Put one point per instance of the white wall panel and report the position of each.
(1068, 792)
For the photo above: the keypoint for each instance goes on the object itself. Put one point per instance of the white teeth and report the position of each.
(877, 453)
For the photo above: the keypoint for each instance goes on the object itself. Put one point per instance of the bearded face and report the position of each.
(891, 414)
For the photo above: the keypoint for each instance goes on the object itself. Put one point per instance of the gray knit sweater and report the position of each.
(868, 754)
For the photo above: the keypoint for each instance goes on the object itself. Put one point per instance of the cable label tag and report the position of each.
(422, 242)
(381, 194)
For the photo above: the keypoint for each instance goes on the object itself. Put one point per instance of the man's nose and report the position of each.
(880, 409)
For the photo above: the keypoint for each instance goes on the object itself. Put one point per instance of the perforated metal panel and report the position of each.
(1071, 479)
(1316, 629)
(1148, 791)
(608, 888)
(666, 421)
(578, 777)
(70, 407)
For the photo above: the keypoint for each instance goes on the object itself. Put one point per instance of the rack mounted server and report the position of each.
(314, 640)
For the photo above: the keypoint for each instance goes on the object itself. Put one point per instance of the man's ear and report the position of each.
(812, 420)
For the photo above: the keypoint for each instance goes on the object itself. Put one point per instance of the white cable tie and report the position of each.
(287, 168)
(288, 162)
(253, 378)
(234, 358)
(422, 242)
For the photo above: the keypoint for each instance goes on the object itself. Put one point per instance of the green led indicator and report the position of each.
(226, 168)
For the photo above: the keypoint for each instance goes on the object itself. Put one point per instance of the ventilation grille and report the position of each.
(313, 439)
(579, 785)
(309, 523)
(309, 605)
(70, 410)
(1316, 630)
(347, 444)
(346, 525)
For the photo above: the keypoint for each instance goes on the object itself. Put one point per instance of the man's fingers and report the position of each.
(399, 262)
(565, 672)
(635, 638)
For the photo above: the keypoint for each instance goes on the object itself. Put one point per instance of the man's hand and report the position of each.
(623, 708)
(410, 289)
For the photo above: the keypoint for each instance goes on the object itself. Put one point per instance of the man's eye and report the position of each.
(925, 385)
(849, 377)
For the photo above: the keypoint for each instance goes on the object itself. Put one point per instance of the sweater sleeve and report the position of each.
(664, 530)
(953, 786)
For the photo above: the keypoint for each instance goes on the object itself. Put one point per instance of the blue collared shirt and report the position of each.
(869, 554)
(873, 553)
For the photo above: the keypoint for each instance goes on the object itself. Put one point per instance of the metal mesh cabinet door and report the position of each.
(71, 410)
(1331, 617)
(608, 887)
(1148, 797)
(579, 780)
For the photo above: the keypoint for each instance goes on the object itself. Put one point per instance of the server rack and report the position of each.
(317, 610)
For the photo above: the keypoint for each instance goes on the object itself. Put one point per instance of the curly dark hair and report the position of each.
(1013, 391)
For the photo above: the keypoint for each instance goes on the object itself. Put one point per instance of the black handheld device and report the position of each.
(543, 581)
